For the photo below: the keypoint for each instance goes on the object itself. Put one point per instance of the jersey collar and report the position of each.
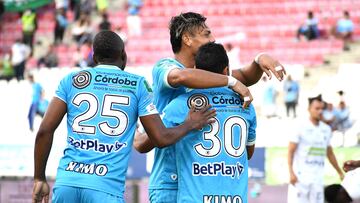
(108, 66)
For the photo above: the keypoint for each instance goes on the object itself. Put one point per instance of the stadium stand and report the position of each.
(267, 25)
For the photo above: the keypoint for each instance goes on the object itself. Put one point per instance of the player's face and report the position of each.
(201, 36)
(316, 109)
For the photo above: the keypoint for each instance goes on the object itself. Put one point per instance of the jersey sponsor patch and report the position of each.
(82, 79)
(222, 199)
(78, 167)
(217, 169)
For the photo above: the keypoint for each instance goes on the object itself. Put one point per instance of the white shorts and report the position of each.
(306, 193)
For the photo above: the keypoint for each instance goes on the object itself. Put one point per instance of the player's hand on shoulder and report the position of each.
(198, 118)
(244, 92)
(41, 191)
(271, 66)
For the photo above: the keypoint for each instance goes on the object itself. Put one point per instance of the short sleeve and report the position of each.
(146, 104)
(61, 91)
(252, 129)
(163, 71)
(329, 136)
(295, 136)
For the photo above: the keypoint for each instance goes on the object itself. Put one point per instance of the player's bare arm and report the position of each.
(332, 159)
(250, 151)
(161, 136)
(252, 73)
(291, 151)
(200, 79)
(142, 143)
(43, 143)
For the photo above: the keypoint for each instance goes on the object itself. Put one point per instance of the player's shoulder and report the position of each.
(166, 63)
(324, 126)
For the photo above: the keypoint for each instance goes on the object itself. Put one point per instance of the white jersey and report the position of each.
(351, 183)
(309, 158)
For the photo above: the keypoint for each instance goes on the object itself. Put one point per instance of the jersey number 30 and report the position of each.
(212, 136)
(107, 111)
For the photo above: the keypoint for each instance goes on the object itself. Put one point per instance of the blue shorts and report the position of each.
(163, 195)
(65, 194)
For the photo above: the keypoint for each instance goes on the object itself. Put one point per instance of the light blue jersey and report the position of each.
(212, 163)
(103, 105)
(37, 90)
(164, 175)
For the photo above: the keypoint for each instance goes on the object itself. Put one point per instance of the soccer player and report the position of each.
(102, 105)
(37, 91)
(212, 163)
(188, 31)
(307, 150)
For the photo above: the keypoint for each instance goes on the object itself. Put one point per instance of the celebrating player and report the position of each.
(213, 160)
(102, 106)
(188, 31)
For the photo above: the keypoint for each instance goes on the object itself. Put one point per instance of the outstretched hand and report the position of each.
(271, 66)
(200, 118)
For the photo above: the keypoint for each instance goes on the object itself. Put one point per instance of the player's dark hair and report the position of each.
(317, 98)
(331, 192)
(336, 193)
(185, 22)
(109, 48)
(212, 57)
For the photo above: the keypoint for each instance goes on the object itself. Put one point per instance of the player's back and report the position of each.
(212, 163)
(103, 104)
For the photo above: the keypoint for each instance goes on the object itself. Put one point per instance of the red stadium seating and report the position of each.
(268, 25)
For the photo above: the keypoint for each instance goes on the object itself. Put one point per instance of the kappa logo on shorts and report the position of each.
(173, 177)
(82, 79)
(199, 100)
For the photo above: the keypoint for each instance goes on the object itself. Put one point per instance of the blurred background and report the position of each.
(317, 41)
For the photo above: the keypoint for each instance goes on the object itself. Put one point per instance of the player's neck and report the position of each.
(185, 60)
(314, 121)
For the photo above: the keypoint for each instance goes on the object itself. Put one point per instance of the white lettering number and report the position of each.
(107, 110)
(213, 137)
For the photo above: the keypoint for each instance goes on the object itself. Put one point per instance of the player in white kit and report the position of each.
(308, 148)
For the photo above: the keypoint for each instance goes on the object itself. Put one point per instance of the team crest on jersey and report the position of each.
(199, 100)
(82, 79)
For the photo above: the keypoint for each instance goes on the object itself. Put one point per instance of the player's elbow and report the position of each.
(43, 133)
(177, 78)
(142, 143)
(250, 151)
(161, 144)
(141, 148)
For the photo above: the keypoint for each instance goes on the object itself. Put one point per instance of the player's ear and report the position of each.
(226, 71)
(186, 39)
(94, 59)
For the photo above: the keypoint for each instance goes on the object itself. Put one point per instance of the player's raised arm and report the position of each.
(252, 73)
(200, 79)
(161, 136)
